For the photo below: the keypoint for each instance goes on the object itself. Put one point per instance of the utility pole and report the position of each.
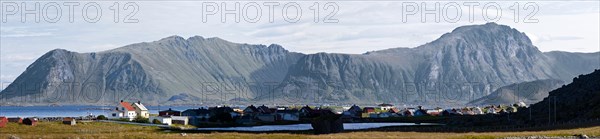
(554, 108)
(529, 112)
(549, 111)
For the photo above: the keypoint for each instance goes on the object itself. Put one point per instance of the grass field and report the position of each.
(113, 130)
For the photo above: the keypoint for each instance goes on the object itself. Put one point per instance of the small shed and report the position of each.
(30, 121)
(3, 122)
(69, 121)
(15, 120)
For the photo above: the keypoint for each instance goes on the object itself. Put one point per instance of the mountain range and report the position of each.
(463, 65)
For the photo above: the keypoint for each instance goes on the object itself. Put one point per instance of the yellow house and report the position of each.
(141, 110)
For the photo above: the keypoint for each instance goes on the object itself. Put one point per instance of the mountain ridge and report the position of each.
(465, 64)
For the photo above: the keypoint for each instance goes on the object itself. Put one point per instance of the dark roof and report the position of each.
(287, 111)
(170, 110)
(385, 105)
(394, 110)
(220, 109)
(307, 108)
(252, 108)
(355, 108)
(264, 109)
(196, 112)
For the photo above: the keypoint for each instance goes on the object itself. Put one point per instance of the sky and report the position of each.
(341, 27)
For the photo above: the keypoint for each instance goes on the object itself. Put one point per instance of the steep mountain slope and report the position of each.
(152, 72)
(575, 101)
(463, 65)
(527, 92)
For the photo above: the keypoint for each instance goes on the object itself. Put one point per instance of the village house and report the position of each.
(467, 111)
(246, 120)
(394, 110)
(69, 121)
(169, 112)
(238, 110)
(368, 110)
(197, 116)
(3, 122)
(266, 114)
(385, 106)
(161, 119)
(250, 111)
(477, 110)
(491, 110)
(141, 110)
(353, 112)
(15, 120)
(288, 115)
(264, 109)
(125, 110)
(30, 121)
(266, 117)
(305, 111)
(434, 112)
(420, 112)
(406, 112)
(181, 120)
(235, 114)
(384, 115)
(449, 112)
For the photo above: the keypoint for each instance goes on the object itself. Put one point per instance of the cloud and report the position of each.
(549, 38)
(18, 57)
(16, 32)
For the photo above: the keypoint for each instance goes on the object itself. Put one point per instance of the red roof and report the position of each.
(127, 106)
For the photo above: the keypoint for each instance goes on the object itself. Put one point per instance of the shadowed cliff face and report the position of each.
(463, 65)
(527, 92)
(575, 101)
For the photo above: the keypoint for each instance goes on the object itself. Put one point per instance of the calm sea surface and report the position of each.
(297, 127)
(71, 111)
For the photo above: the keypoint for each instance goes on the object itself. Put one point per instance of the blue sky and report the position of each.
(362, 26)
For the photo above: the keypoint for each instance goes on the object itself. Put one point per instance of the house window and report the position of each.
(114, 115)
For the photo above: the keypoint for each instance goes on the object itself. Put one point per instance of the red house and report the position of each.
(368, 110)
(30, 121)
(15, 120)
(3, 121)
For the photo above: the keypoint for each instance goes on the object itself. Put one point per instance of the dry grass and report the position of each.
(112, 130)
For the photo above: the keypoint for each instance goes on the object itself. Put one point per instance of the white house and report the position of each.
(477, 110)
(124, 110)
(182, 120)
(288, 115)
(141, 110)
(385, 106)
(163, 119)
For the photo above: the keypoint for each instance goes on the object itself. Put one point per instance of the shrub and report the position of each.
(140, 119)
(156, 121)
(101, 117)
